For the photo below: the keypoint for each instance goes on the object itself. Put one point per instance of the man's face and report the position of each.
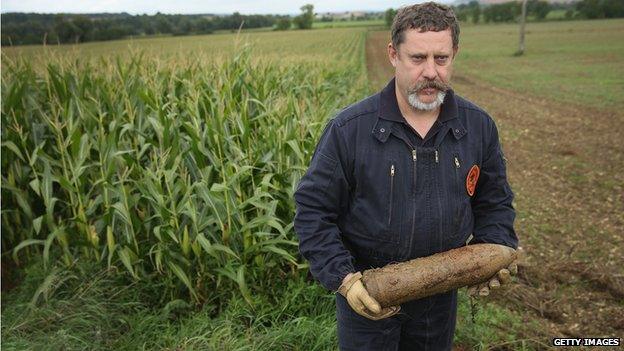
(423, 66)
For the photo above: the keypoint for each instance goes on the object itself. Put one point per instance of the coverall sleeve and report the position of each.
(322, 194)
(492, 205)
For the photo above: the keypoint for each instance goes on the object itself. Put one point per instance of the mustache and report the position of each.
(436, 84)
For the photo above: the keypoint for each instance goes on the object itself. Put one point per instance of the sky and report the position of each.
(150, 7)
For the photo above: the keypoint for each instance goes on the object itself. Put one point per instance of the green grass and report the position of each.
(99, 310)
(494, 327)
(580, 62)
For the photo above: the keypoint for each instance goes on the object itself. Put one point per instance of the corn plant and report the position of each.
(182, 168)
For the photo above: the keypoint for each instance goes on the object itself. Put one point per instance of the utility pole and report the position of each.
(520, 51)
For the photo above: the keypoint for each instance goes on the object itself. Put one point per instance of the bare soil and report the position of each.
(566, 167)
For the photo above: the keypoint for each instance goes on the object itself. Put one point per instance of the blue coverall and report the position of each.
(376, 193)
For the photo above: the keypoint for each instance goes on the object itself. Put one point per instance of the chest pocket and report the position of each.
(461, 221)
(398, 175)
(460, 201)
(375, 212)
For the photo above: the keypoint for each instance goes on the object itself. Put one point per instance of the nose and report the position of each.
(429, 71)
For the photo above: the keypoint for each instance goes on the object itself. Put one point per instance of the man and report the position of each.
(411, 171)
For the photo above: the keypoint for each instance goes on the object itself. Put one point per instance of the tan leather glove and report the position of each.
(361, 302)
(503, 277)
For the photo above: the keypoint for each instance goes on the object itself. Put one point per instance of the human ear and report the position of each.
(393, 54)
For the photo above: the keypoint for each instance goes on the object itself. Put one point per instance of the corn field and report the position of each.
(179, 168)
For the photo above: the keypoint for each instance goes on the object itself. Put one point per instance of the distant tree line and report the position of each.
(537, 10)
(474, 12)
(32, 28)
(592, 9)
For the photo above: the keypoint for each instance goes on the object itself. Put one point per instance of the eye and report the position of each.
(441, 59)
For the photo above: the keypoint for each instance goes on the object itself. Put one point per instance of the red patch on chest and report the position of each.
(471, 179)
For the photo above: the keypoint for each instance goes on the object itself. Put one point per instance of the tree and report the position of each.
(65, 30)
(163, 25)
(204, 26)
(461, 12)
(590, 9)
(613, 8)
(505, 12)
(600, 8)
(304, 20)
(32, 28)
(85, 28)
(569, 14)
(389, 16)
(522, 25)
(475, 11)
(183, 27)
(283, 24)
(538, 8)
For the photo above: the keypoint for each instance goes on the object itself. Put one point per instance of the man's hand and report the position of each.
(503, 277)
(360, 301)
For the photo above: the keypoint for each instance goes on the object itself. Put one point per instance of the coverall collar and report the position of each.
(390, 114)
(389, 107)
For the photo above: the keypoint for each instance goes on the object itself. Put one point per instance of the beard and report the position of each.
(414, 101)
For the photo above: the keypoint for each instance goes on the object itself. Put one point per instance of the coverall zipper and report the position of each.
(391, 194)
(439, 201)
(414, 158)
(458, 184)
